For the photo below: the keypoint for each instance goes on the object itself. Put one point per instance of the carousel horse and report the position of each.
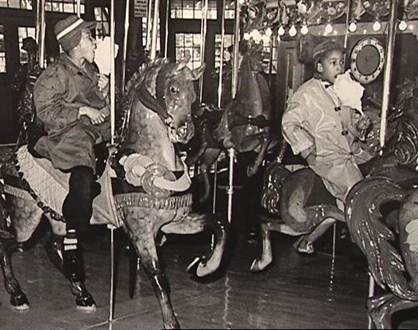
(380, 213)
(243, 125)
(145, 186)
(298, 204)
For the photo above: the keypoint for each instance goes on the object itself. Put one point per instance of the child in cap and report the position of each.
(316, 124)
(71, 100)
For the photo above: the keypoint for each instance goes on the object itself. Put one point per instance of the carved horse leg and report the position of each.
(142, 226)
(305, 243)
(18, 299)
(382, 308)
(196, 223)
(266, 257)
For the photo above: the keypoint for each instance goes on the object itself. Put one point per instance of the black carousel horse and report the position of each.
(150, 191)
(380, 211)
(243, 125)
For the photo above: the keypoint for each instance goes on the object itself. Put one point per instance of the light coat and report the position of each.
(315, 119)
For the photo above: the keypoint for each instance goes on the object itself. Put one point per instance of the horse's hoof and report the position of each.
(172, 325)
(259, 265)
(303, 246)
(86, 304)
(20, 302)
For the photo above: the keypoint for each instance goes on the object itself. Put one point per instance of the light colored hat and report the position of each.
(326, 46)
(68, 31)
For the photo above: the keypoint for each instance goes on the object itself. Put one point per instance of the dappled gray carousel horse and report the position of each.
(381, 213)
(243, 125)
(150, 190)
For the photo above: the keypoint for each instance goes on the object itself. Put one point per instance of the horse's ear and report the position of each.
(183, 63)
(198, 71)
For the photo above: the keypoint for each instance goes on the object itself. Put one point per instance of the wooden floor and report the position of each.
(303, 292)
(295, 292)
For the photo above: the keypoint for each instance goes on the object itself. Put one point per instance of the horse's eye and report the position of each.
(174, 90)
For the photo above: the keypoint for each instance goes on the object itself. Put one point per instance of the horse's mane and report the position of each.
(145, 79)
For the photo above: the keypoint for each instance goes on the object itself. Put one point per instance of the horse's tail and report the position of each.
(369, 228)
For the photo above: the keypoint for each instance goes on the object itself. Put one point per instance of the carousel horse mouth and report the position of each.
(183, 133)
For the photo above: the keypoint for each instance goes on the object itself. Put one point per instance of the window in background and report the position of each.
(2, 51)
(21, 4)
(101, 15)
(191, 9)
(269, 54)
(228, 45)
(64, 6)
(144, 33)
(24, 32)
(188, 44)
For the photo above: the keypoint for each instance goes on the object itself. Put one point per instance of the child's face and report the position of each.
(331, 65)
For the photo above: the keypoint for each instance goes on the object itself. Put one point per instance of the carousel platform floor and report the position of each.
(295, 292)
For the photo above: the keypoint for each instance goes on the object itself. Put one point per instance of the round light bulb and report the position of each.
(328, 28)
(247, 36)
(292, 31)
(402, 25)
(268, 32)
(304, 30)
(281, 31)
(376, 26)
(352, 27)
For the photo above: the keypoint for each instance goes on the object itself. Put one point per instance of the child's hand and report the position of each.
(96, 116)
(103, 83)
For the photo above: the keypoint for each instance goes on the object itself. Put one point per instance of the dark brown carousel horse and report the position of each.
(243, 125)
(150, 184)
(380, 213)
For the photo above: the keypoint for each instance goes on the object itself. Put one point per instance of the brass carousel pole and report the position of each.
(153, 51)
(203, 32)
(112, 137)
(79, 8)
(40, 31)
(167, 19)
(235, 69)
(390, 49)
(220, 80)
(125, 44)
(220, 83)
(149, 26)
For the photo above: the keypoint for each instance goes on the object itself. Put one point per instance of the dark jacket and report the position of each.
(58, 94)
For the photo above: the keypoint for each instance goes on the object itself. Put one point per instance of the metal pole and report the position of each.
(235, 59)
(79, 8)
(112, 132)
(220, 79)
(149, 25)
(40, 31)
(230, 191)
(390, 49)
(125, 44)
(231, 151)
(167, 19)
(203, 30)
(112, 71)
(347, 23)
(153, 52)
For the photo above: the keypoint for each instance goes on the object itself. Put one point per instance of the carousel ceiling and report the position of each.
(291, 16)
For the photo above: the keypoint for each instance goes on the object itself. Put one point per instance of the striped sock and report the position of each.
(70, 240)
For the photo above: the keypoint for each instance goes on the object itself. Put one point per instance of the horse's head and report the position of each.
(248, 117)
(168, 90)
(175, 86)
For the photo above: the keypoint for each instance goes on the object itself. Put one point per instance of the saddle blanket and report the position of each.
(51, 186)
